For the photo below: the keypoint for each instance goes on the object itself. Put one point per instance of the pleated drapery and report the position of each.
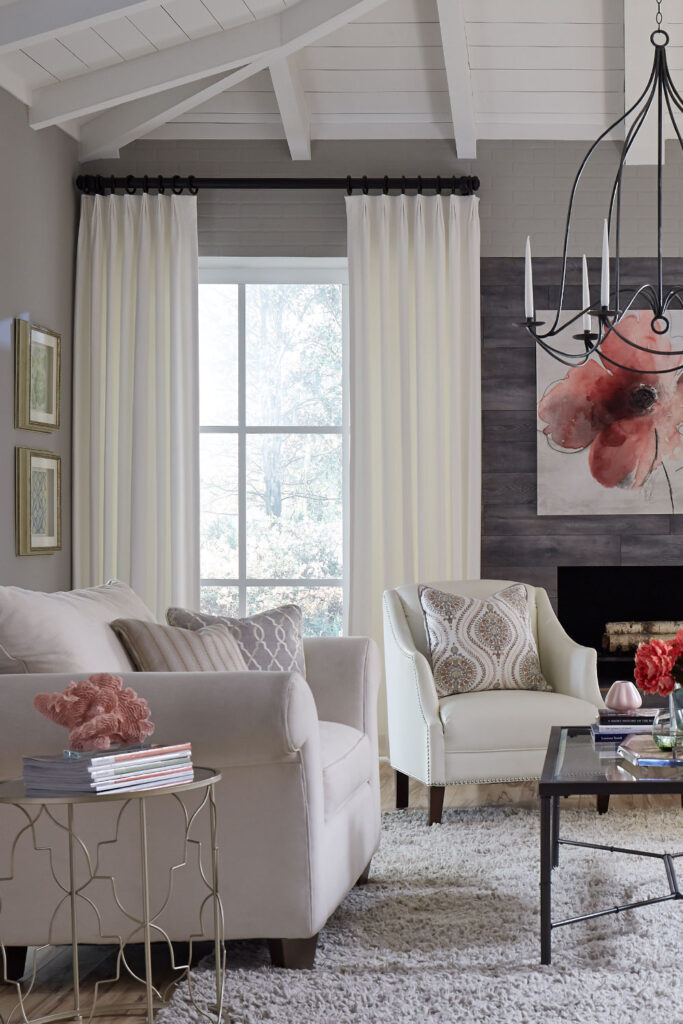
(415, 396)
(135, 427)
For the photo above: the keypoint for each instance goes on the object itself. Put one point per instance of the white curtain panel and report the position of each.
(135, 426)
(415, 396)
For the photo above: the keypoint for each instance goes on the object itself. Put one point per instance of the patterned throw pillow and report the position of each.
(481, 645)
(270, 641)
(156, 648)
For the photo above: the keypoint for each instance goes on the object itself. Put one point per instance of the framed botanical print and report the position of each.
(37, 353)
(38, 501)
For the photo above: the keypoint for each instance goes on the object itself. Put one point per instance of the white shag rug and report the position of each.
(448, 930)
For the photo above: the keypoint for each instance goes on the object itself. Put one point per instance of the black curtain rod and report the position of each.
(98, 184)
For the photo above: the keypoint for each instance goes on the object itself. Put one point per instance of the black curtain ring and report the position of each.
(454, 185)
(419, 184)
(403, 184)
(192, 185)
(130, 185)
(176, 191)
(112, 184)
(145, 184)
(349, 186)
(365, 185)
(98, 185)
(160, 184)
(385, 186)
(438, 184)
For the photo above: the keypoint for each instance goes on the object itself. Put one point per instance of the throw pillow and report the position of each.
(270, 641)
(67, 631)
(156, 648)
(481, 645)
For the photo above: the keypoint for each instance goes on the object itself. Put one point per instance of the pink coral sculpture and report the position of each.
(98, 712)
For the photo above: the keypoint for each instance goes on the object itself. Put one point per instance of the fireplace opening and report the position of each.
(599, 605)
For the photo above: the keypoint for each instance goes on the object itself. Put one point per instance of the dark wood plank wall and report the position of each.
(517, 543)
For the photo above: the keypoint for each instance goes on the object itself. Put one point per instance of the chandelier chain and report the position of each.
(659, 14)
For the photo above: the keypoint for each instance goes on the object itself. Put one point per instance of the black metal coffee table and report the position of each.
(573, 767)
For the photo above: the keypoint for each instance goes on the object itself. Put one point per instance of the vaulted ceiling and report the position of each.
(111, 71)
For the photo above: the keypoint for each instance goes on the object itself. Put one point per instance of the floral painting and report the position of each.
(610, 440)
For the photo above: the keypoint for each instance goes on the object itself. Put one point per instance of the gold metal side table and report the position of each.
(143, 921)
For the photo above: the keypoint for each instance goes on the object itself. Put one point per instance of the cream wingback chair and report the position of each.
(487, 736)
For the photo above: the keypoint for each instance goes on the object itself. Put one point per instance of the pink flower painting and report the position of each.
(629, 423)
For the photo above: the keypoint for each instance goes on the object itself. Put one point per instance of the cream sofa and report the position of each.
(298, 804)
(491, 736)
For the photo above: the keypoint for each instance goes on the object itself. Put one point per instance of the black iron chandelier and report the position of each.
(598, 320)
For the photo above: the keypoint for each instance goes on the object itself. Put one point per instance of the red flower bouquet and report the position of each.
(659, 665)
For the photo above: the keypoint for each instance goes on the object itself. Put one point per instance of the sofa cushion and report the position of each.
(508, 719)
(481, 644)
(270, 641)
(347, 763)
(67, 631)
(156, 648)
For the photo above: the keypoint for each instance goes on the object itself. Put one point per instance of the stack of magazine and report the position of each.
(106, 772)
(644, 752)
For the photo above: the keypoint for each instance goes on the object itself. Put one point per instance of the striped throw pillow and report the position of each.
(156, 648)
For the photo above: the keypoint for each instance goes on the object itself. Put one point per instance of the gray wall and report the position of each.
(37, 228)
(524, 190)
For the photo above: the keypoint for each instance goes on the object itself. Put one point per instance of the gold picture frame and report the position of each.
(38, 501)
(37, 377)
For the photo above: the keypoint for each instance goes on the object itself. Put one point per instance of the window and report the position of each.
(272, 438)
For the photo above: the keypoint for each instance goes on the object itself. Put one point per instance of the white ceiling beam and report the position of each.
(456, 57)
(291, 99)
(103, 136)
(15, 85)
(274, 37)
(25, 22)
(638, 56)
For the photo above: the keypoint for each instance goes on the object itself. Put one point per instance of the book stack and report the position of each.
(613, 727)
(109, 772)
(644, 752)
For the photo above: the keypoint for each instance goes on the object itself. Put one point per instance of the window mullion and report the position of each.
(242, 448)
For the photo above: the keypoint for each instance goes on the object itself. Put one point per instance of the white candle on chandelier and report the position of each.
(604, 284)
(528, 283)
(586, 298)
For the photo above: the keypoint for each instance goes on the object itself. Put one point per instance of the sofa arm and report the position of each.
(344, 673)
(569, 668)
(416, 741)
(231, 718)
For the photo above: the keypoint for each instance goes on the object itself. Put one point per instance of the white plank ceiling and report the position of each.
(110, 71)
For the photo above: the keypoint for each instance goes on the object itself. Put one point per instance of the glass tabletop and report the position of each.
(12, 791)
(574, 763)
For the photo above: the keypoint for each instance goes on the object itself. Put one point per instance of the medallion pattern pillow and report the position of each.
(270, 641)
(481, 644)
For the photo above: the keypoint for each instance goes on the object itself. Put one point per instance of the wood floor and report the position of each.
(98, 962)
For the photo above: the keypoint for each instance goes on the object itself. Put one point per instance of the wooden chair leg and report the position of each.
(295, 954)
(436, 795)
(602, 802)
(16, 962)
(362, 880)
(402, 790)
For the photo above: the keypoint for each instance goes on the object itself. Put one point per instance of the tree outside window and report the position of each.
(271, 357)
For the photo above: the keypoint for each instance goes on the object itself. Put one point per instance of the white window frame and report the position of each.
(278, 270)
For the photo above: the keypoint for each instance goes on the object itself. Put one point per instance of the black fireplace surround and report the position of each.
(590, 596)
